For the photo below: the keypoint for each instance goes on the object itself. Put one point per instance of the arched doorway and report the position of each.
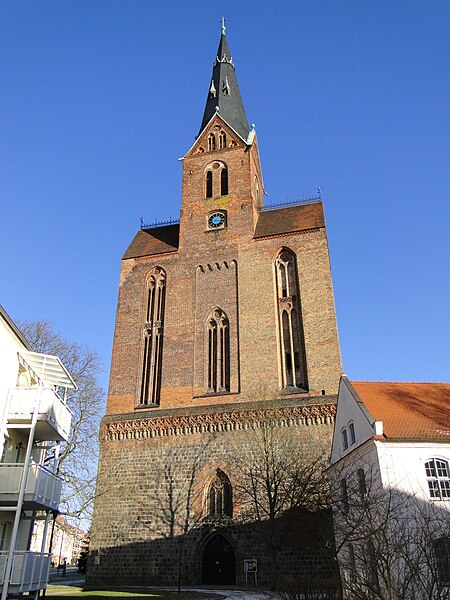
(219, 562)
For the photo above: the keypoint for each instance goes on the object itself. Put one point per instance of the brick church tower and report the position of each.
(218, 318)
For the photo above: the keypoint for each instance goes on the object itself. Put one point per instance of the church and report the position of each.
(225, 321)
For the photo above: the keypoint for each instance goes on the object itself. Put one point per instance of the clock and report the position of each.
(216, 220)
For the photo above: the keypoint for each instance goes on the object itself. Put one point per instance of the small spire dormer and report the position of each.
(224, 96)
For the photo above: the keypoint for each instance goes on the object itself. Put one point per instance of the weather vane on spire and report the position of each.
(223, 26)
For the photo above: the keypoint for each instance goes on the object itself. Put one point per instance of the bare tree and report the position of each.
(79, 455)
(274, 478)
(177, 491)
(390, 545)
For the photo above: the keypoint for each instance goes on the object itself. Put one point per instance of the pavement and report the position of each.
(237, 594)
(74, 578)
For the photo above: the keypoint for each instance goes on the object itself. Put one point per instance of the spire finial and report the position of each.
(223, 26)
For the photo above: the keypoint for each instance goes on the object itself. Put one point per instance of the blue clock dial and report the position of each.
(216, 220)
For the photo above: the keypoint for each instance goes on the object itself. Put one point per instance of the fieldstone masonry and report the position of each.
(133, 543)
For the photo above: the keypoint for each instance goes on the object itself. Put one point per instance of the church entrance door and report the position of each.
(219, 562)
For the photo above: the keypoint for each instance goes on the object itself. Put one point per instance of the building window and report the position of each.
(344, 439)
(351, 562)
(441, 549)
(153, 338)
(211, 142)
(344, 496)
(220, 501)
(209, 184)
(351, 429)
(438, 478)
(224, 182)
(372, 566)
(218, 369)
(361, 483)
(292, 353)
(222, 140)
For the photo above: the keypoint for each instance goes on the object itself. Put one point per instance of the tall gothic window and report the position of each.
(224, 182)
(209, 184)
(220, 501)
(218, 367)
(290, 325)
(153, 338)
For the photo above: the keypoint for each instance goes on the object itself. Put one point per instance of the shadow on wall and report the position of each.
(213, 553)
(389, 540)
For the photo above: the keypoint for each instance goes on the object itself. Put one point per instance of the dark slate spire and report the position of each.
(224, 92)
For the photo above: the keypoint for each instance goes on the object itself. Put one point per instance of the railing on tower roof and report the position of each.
(276, 205)
(266, 207)
(156, 224)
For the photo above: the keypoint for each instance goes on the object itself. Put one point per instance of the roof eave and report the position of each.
(14, 328)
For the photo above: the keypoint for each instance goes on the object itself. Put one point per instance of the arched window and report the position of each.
(209, 184)
(344, 439)
(441, 549)
(361, 483)
(153, 338)
(290, 322)
(351, 429)
(344, 496)
(351, 562)
(218, 369)
(222, 140)
(220, 501)
(438, 477)
(224, 182)
(211, 142)
(372, 566)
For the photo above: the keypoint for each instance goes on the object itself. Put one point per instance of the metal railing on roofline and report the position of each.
(158, 223)
(276, 205)
(266, 207)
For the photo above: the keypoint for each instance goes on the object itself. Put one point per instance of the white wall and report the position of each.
(10, 344)
(350, 410)
(402, 465)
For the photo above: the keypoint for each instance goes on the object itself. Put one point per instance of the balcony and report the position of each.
(54, 416)
(30, 571)
(43, 489)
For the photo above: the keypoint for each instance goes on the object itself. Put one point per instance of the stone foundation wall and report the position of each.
(140, 523)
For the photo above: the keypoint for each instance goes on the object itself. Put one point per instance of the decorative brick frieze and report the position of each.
(316, 414)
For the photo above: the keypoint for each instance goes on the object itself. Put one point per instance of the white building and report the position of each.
(34, 419)
(66, 541)
(390, 482)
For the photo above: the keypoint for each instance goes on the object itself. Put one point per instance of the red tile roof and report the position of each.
(408, 410)
(290, 219)
(154, 241)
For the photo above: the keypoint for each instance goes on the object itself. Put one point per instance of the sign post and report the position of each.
(251, 566)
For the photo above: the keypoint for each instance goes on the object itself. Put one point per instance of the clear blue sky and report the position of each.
(100, 98)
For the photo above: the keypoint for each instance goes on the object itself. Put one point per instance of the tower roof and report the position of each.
(223, 93)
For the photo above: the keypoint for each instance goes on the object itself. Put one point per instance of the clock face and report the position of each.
(216, 220)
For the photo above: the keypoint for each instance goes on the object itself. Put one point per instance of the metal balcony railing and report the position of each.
(43, 489)
(54, 416)
(30, 571)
